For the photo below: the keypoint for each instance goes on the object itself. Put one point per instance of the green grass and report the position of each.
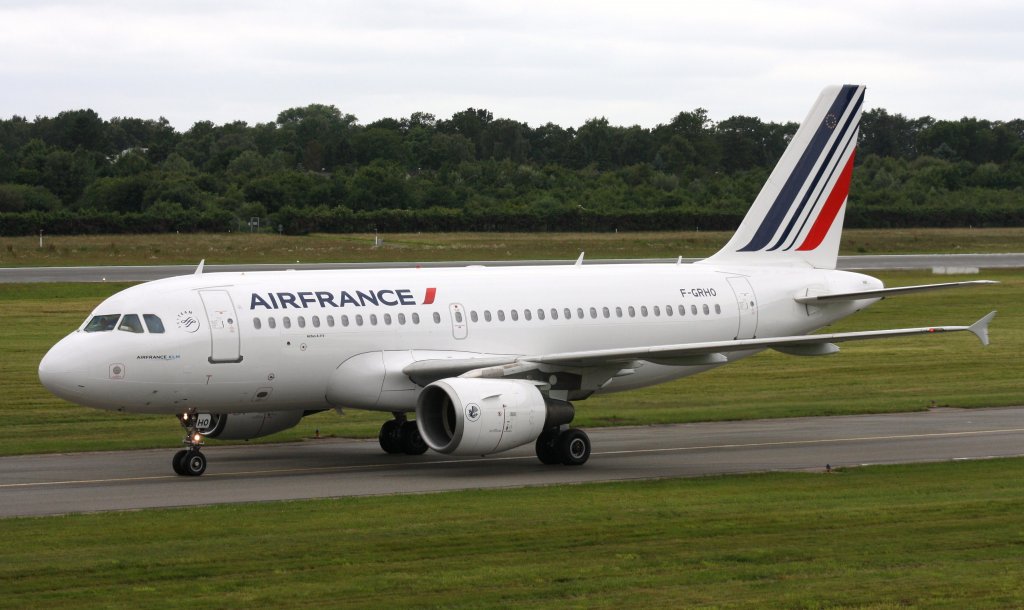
(154, 249)
(943, 535)
(867, 377)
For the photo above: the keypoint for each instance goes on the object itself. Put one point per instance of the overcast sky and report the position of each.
(632, 61)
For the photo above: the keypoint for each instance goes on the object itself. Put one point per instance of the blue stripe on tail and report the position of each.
(777, 213)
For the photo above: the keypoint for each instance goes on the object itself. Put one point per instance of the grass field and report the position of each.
(867, 377)
(267, 248)
(937, 535)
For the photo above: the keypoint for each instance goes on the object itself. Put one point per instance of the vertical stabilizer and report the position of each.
(797, 218)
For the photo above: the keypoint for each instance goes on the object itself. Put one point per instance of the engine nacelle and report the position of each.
(466, 416)
(244, 426)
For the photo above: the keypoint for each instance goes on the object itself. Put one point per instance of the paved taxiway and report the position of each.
(145, 273)
(67, 483)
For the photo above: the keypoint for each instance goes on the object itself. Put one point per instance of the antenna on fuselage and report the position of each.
(199, 269)
(579, 261)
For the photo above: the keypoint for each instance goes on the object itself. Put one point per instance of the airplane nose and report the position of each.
(62, 371)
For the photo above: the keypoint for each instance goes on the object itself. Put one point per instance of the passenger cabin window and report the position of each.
(153, 323)
(330, 321)
(693, 309)
(271, 322)
(515, 315)
(540, 314)
(643, 310)
(437, 318)
(473, 317)
(718, 308)
(344, 320)
(554, 313)
(682, 310)
(316, 321)
(257, 324)
(501, 315)
(401, 318)
(487, 315)
(415, 318)
(131, 323)
(286, 321)
(707, 309)
(387, 319)
(302, 321)
(101, 324)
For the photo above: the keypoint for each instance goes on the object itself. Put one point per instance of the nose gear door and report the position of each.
(225, 339)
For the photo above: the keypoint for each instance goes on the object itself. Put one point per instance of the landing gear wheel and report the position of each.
(178, 462)
(194, 463)
(390, 436)
(574, 447)
(547, 447)
(189, 461)
(412, 442)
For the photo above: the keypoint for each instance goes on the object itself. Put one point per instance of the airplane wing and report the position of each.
(885, 292)
(685, 354)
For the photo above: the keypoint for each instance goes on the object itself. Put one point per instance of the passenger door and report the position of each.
(225, 339)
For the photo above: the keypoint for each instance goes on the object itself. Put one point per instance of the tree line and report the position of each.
(316, 168)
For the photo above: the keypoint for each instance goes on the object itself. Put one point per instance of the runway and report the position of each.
(145, 273)
(328, 468)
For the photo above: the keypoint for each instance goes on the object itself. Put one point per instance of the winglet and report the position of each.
(980, 328)
(579, 261)
(199, 269)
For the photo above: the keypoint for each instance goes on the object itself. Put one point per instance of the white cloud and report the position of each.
(637, 62)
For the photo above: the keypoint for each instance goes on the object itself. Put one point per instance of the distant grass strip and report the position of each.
(943, 535)
(867, 377)
(224, 248)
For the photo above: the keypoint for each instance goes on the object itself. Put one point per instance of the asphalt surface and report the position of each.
(143, 273)
(327, 468)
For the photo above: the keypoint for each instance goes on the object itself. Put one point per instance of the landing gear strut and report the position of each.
(570, 446)
(190, 461)
(400, 435)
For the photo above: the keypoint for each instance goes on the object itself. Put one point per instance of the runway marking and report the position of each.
(521, 457)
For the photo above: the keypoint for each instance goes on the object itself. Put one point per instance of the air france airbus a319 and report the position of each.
(488, 358)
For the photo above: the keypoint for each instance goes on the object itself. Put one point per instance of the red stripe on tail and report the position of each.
(831, 208)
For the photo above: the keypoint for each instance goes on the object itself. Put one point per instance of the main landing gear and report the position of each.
(569, 446)
(190, 461)
(400, 435)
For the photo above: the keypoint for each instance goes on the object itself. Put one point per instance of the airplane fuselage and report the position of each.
(310, 340)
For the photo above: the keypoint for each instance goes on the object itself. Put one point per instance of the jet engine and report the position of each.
(244, 426)
(464, 416)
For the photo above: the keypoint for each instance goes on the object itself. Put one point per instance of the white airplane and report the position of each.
(488, 358)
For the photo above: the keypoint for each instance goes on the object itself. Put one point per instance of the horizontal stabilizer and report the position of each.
(885, 292)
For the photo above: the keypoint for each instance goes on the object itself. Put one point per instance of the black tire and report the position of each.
(195, 463)
(412, 441)
(178, 463)
(574, 447)
(547, 447)
(390, 436)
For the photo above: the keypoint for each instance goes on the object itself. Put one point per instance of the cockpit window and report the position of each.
(102, 323)
(153, 323)
(130, 323)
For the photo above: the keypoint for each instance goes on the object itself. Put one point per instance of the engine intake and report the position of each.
(465, 416)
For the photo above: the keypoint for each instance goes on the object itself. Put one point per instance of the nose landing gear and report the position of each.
(190, 461)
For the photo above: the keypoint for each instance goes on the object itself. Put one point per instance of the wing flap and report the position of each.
(802, 343)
